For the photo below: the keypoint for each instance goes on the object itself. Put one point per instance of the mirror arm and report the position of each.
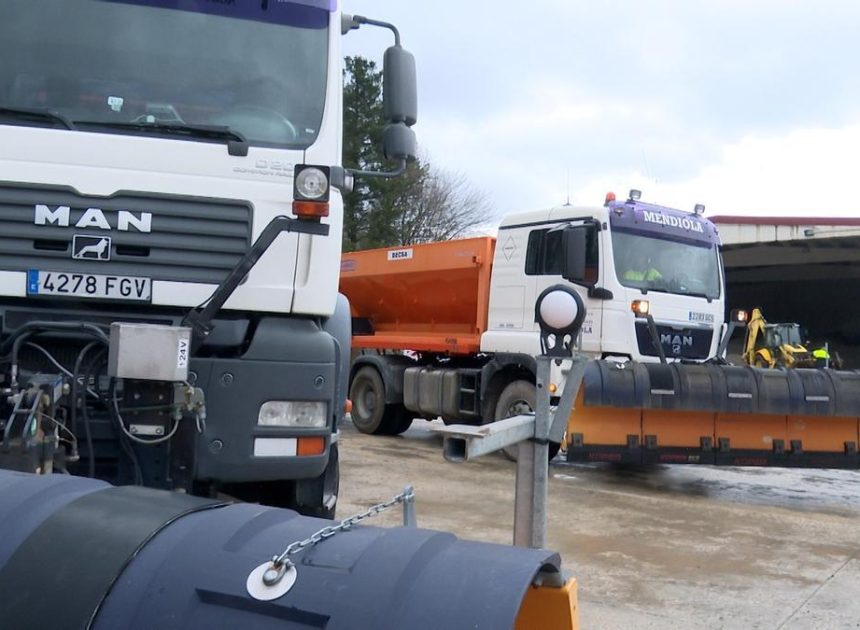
(356, 21)
(397, 172)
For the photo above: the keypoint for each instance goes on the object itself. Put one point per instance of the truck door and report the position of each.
(544, 262)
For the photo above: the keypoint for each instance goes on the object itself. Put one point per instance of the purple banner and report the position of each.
(661, 222)
(303, 13)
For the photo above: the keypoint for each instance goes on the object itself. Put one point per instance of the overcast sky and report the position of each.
(750, 107)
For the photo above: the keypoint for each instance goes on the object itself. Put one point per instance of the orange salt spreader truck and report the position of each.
(448, 330)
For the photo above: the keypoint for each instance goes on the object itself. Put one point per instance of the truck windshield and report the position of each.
(258, 69)
(656, 264)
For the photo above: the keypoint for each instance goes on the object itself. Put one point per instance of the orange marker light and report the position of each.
(311, 446)
(310, 209)
(347, 408)
(610, 196)
(553, 388)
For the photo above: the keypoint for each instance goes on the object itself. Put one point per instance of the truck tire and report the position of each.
(519, 397)
(370, 414)
(403, 420)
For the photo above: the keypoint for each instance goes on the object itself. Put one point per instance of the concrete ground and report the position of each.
(665, 547)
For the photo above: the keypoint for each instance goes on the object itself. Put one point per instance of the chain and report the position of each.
(282, 562)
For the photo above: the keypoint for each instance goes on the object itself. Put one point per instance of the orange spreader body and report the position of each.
(427, 298)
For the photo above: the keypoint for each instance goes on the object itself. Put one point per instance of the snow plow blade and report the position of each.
(715, 414)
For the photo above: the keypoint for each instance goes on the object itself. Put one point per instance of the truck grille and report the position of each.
(683, 343)
(192, 239)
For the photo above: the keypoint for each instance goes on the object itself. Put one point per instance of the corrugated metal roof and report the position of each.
(742, 230)
(805, 221)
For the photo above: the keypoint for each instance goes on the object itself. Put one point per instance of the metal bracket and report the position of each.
(265, 591)
(200, 319)
(533, 433)
(655, 338)
(572, 383)
(462, 442)
(549, 579)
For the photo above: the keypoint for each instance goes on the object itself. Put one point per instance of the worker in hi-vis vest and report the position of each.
(641, 269)
(821, 356)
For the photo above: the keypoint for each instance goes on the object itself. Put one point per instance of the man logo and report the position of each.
(91, 248)
(64, 216)
(675, 342)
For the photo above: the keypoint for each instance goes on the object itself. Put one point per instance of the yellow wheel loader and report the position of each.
(775, 345)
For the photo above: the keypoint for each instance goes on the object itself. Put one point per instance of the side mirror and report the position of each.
(399, 102)
(399, 86)
(398, 142)
(573, 251)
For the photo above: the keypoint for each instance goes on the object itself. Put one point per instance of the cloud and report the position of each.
(807, 172)
(746, 107)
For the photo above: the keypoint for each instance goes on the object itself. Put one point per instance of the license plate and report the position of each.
(88, 285)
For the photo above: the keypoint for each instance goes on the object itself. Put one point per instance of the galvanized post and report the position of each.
(560, 322)
(530, 513)
(409, 517)
(524, 494)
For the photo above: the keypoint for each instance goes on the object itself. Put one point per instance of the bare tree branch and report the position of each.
(446, 206)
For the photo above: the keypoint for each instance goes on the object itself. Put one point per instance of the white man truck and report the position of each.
(448, 329)
(170, 230)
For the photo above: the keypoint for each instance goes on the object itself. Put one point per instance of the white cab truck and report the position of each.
(448, 329)
(170, 232)
(639, 258)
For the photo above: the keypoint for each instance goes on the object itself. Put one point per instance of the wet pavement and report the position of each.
(651, 547)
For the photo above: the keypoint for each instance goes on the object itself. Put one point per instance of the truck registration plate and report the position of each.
(88, 285)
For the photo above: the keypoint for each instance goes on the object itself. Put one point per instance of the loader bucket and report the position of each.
(715, 414)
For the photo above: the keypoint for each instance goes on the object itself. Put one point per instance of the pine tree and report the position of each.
(423, 204)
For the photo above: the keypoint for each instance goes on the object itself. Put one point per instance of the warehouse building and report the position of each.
(797, 269)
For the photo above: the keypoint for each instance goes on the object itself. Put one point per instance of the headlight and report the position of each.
(311, 183)
(292, 413)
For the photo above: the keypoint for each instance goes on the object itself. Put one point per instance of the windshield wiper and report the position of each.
(36, 115)
(645, 291)
(709, 298)
(236, 142)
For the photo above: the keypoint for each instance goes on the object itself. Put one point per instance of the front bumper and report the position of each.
(235, 390)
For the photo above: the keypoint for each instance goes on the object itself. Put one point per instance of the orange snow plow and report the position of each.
(715, 414)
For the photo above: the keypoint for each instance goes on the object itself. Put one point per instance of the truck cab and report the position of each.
(174, 165)
(638, 259)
